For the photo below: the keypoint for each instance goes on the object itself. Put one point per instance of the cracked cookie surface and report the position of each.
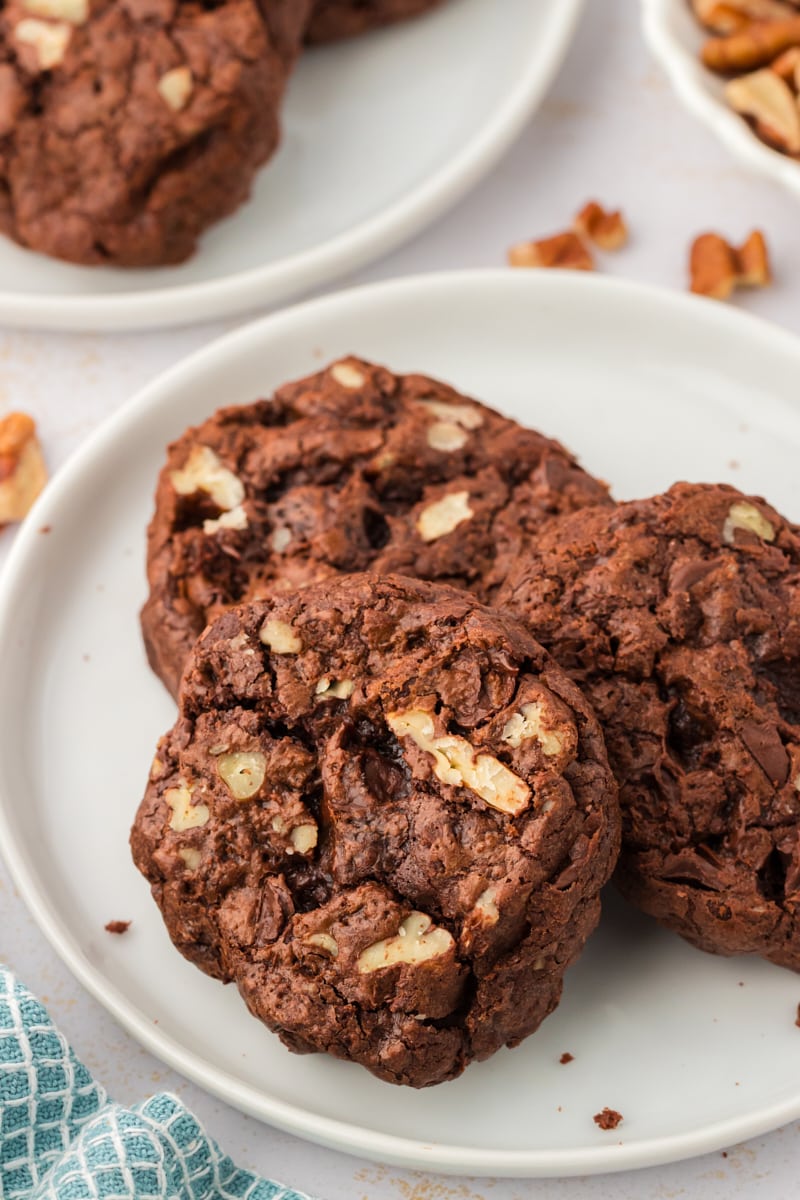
(387, 815)
(334, 19)
(351, 469)
(679, 617)
(128, 126)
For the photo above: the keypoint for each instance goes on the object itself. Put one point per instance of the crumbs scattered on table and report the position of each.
(566, 1057)
(118, 926)
(609, 1118)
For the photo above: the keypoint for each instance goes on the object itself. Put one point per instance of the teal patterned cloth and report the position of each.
(61, 1138)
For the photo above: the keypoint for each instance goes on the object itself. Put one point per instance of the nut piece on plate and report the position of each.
(399, 878)
(564, 250)
(729, 16)
(766, 98)
(606, 228)
(716, 267)
(754, 46)
(22, 470)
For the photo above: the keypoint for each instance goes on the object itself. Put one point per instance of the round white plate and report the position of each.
(675, 37)
(381, 134)
(695, 1051)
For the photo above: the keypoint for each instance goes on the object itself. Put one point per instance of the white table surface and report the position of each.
(611, 129)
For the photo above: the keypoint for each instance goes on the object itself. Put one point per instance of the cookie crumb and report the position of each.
(724, 1153)
(118, 926)
(566, 1057)
(45, 529)
(609, 1118)
(797, 1018)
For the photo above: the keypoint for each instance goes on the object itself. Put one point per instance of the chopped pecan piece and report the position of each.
(562, 250)
(607, 229)
(22, 470)
(755, 45)
(716, 267)
(766, 98)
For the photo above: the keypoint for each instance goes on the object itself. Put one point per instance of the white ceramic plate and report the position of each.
(381, 135)
(647, 388)
(675, 37)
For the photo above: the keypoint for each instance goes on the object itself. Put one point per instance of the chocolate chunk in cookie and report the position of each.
(680, 618)
(351, 469)
(128, 126)
(387, 815)
(334, 19)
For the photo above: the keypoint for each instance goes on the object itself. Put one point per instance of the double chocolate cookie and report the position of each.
(128, 126)
(334, 19)
(387, 815)
(679, 616)
(351, 469)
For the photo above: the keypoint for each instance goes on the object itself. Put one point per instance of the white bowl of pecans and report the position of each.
(736, 66)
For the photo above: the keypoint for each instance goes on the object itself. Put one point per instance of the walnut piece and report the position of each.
(204, 471)
(456, 762)
(743, 515)
(175, 88)
(443, 516)
(242, 772)
(416, 941)
(527, 724)
(347, 375)
(22, 470)
(280, 637)
(49, 40)
(565, 250)
(185, 815)
(606, 229)
(716, 267)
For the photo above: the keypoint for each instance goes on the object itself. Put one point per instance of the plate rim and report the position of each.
(274, 283)
(345, 1136)
(688, 78)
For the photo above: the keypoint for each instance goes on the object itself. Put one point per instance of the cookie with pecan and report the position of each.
(387, 815)
(679, 617)
(128, 126)
(352, 469)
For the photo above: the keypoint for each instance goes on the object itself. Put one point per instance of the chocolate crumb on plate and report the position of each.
(118, 926)
(609, 1118)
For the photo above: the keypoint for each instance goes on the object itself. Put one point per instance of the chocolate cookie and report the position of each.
(680, 618)
(334, 19)
(128, 126)
(386, 814)
(351, 469)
